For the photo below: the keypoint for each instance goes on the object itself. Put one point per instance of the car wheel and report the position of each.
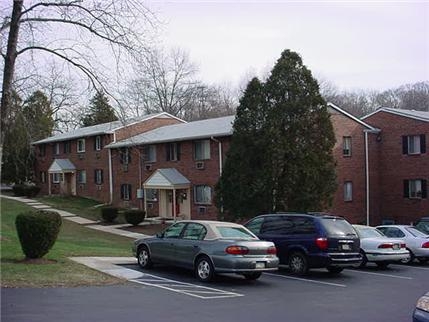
(410, 259)
(252, 276)
(364, 259)
(334, 269)
(143, 258)
(204, 269)
(298, 263)
(382, 265)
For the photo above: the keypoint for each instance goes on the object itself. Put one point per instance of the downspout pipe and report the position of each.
(111, 172)
(220, 154)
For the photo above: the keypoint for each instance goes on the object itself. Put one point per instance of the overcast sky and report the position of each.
(359, 44)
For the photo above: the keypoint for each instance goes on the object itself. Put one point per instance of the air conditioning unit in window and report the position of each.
(97, 155)
(98, 187)
(148, 167)
(199, 165)
(202, 210)
(125, 167)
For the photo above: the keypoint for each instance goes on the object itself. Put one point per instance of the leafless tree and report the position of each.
(71, 31)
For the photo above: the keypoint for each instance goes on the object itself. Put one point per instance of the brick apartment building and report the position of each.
(170, 167)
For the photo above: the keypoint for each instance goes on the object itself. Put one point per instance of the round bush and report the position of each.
(109, 214)
(18, 190)
(37, 231)
(134, 216)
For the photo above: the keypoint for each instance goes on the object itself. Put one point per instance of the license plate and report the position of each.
(346, 247)
(260, 265)
(395, 246)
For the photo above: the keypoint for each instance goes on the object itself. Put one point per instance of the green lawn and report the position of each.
(73, 240)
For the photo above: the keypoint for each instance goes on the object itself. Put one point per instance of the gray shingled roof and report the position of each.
(418, 115)
(99, 129)
(216, 127)
(167, 177)
(61, 165)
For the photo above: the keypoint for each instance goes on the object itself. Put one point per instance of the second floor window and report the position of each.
(42, 150)
(67, 147)
(347, 146)
(125, 156)
(173, 151)
(81, 145)
(56, 148)
(98, 143)
(149, 153)
(202, 150)
(414, 144)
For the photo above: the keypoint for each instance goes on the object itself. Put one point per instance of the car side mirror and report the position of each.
(159, 235)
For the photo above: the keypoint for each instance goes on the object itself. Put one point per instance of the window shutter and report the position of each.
(122, 191)
(95, 143)
(121, 156)
(101, 176)
(95, 176)
(178, 151)
(405, 145)
(422, 143)
(129, 155)
(406, 189)
(167, 151)
(129, 191)
(424, 189)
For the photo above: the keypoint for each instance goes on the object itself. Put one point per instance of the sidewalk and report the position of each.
(113, 229)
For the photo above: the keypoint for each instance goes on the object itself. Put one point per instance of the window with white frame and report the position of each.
(347, 146)
(202, 150)
(42, 176)
(348, 191)
(173, 151)
(202, 194)
(415, 188)
(97, 143)
(57, 177)
(67, 147)
(150, 153)
(57, 148)
(98, 176)
(151, 194)
(125, 191)
(125, 156)
(80, 145)
(81, 176)
(414, 144)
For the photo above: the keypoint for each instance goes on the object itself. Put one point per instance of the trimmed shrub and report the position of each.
(18, 190)
(28, 190)
(31, 191)
(134, 216)
(37, 231)
(109, 214)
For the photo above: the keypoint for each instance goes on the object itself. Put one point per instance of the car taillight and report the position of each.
(386, 245)
(237, 250)
(425, 244)
(322, 243)
(272, 250)
(403, 246)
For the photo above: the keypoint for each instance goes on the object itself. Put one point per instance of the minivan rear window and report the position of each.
(337, 227)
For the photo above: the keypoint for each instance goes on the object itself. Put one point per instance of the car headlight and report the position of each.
(423, 303)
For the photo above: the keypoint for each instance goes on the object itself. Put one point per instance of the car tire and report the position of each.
(382, 265)
(410, 259)
(204, 269)
(298, 263)
(143, 257)
(334, 269)
(252, 276)
(364, 259)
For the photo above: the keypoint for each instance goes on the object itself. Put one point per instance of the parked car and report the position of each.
(307, 241)
(421, 312)
(208, 247)
(378, 248)
(417, 242)
(423, 225)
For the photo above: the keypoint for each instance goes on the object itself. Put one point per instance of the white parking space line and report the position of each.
(202, 292)
(380, 274)
(422, 268)
(306, 280)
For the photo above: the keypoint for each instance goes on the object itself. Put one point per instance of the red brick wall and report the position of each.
(186, 166)
(141, 127)
(396, 167)
(352, 168)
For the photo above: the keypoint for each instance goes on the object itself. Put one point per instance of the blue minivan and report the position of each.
(309, 240)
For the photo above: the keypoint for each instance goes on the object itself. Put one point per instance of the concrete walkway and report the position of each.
(113, 229)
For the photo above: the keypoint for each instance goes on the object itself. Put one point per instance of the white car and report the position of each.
(377, 248)
(417, 242)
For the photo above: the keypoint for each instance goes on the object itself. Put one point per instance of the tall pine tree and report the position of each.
(280, 157)
(100, 111)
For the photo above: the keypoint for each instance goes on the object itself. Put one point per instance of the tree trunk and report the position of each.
(9, 68)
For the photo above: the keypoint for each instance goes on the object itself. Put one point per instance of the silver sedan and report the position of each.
(208, 247)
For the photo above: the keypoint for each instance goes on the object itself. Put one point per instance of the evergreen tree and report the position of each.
(100, 111)
(280, 157)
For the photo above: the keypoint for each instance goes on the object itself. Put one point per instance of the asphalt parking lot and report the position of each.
(169, 294)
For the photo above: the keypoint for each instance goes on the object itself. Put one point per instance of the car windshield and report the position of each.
(337, 227)
(416, 233)
(235, 232)
(368, 232)
(423, 226)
